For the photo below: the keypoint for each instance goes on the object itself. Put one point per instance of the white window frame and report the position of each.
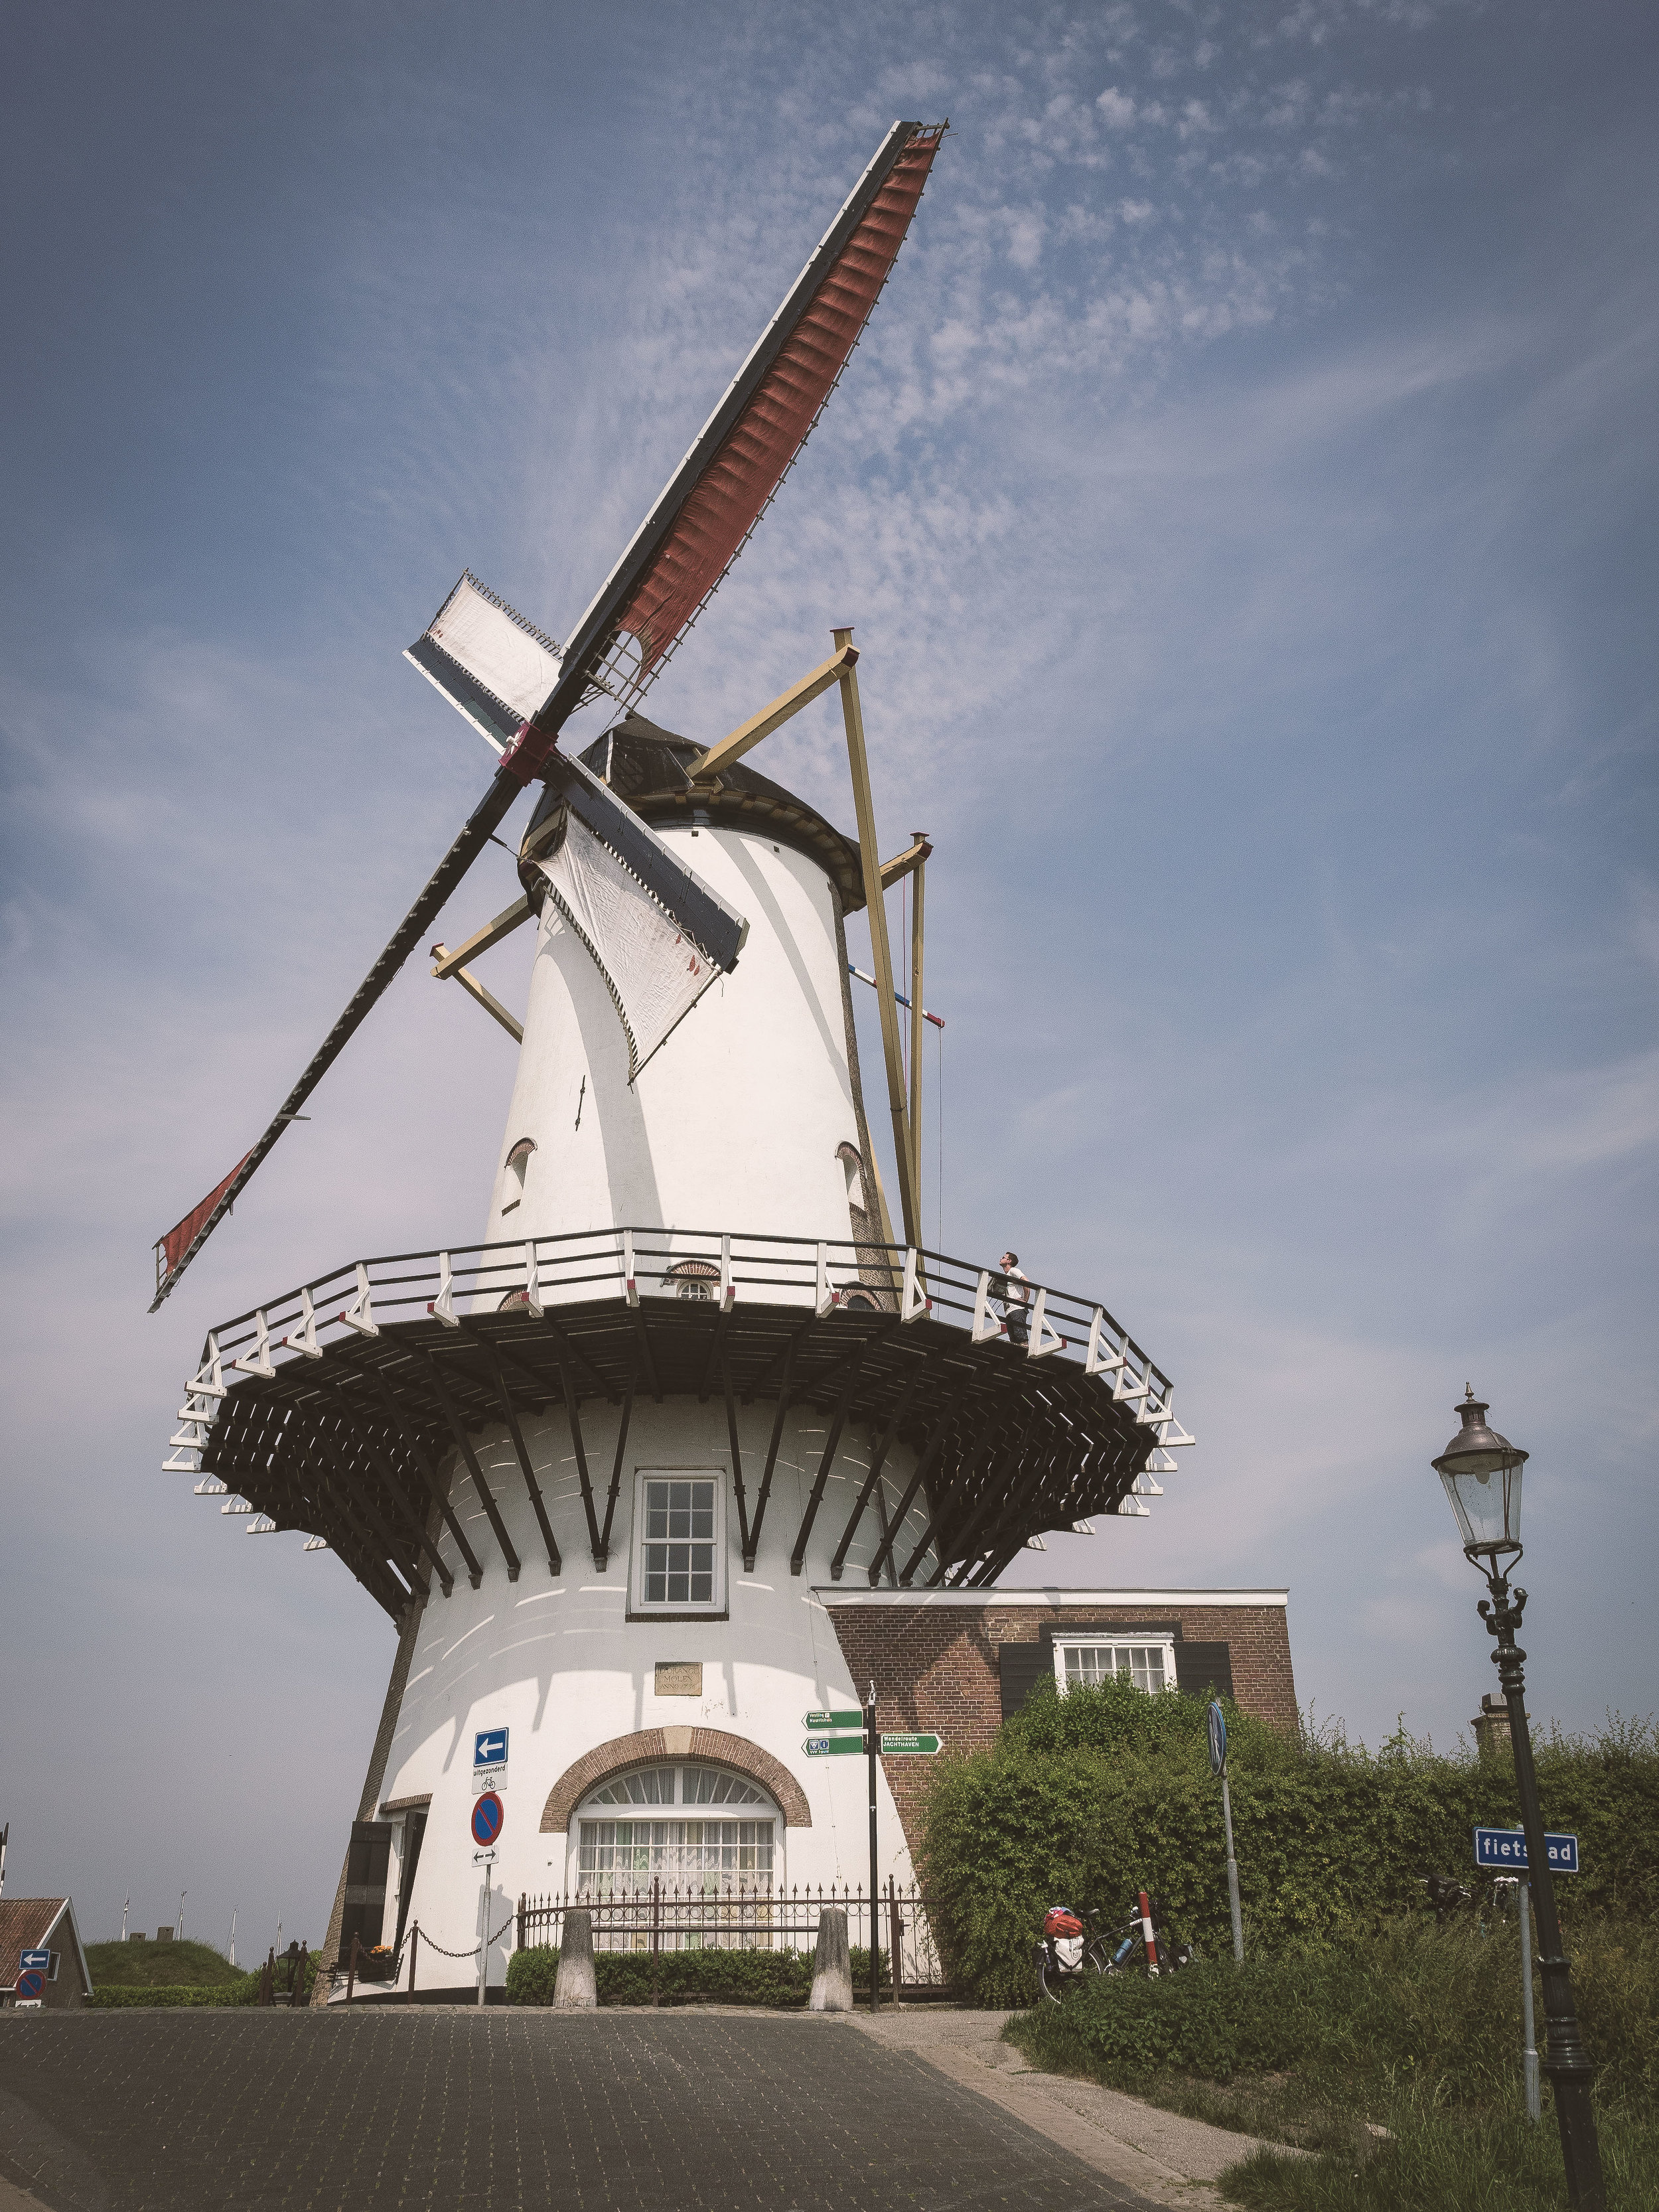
(667, 1608)
(1111, 1640)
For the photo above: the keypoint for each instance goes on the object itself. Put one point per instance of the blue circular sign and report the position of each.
(31, 1984)
(487, 1814)
(1217, 1740)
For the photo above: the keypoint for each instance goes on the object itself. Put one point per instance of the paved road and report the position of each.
(189, 2112)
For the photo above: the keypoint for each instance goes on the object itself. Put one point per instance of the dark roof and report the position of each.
(648, 766)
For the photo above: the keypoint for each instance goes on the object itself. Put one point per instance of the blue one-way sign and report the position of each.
(490, 1748)
(1505, 1850)
(41, 1958)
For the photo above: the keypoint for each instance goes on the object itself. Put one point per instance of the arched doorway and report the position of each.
(676, 1831)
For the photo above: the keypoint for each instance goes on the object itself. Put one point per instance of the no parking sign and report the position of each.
(487, 1815)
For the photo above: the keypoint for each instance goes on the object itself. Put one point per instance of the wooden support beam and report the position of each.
(358, 1505)
(653, 1381)
(916, 1035)
(990, 1492)
(747, 1548)
(773, 717)
(924, 1468)
(469, 983)
(418, 1452)
(879, 1460)
(604, 1559)
(463, 1444)
(481, 940)
(510, 1415)
(831, 1443)
(906, 863)
(852, 714)
(573, 1416)
(417, 1526)
(772, 1451)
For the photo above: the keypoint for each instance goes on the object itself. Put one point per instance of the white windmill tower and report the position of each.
(599, 1465)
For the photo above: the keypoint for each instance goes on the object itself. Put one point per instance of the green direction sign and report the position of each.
(854, 1719)
(927, 1745)
(831, 1747)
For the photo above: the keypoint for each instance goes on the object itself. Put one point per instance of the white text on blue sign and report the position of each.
(1506, 1850)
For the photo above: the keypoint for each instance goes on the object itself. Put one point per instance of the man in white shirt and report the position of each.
(1014, 1289)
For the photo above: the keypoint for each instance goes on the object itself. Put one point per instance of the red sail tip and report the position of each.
(741, 476)
(172, 1248)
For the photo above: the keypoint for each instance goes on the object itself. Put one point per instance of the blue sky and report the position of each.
(1244, 495)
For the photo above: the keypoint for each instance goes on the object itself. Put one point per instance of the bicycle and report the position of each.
(1072, 1954)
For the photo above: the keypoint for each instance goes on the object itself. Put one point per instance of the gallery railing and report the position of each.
(727, 1268)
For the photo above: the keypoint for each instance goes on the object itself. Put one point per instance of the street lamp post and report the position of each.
(1482, 1471)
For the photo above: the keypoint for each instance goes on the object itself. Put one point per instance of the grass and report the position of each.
(1396, 2061)
(159, 1965)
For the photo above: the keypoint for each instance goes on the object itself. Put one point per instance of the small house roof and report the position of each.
(38, 1923)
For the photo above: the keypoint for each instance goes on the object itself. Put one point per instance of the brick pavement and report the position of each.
(173, 2111)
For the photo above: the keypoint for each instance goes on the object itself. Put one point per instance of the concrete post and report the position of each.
(575, 1991)
(832, 1967)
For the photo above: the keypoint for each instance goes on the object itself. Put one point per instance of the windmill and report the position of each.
(519, 689)
(693, 1376)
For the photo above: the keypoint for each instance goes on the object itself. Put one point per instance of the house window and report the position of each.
(679, 1834)
(679, 1542)
(1086, 1662)
(517, 1166)
(693, 1278)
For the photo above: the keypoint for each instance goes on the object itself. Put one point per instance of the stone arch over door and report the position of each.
(639, 1749)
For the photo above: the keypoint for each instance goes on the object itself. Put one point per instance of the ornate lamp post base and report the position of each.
(1566, 2062)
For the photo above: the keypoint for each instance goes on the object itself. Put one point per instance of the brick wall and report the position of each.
(938, 1669)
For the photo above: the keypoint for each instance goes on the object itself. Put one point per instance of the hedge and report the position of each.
(113, 1996)
(779, 1978)
(1088, 1797)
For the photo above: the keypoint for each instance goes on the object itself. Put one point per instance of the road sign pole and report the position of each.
(484, 1935)
(1217, 1722)
(1232, 1873)
(1530, 2046)
(873, 1742)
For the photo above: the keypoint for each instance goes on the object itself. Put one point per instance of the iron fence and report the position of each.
(659, 1916)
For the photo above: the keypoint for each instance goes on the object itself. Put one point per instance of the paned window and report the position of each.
(680, 1543)
(1148, 1666)
(685, 1856)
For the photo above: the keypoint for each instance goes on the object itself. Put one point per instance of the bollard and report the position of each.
(832, 1968)
(575, 1991)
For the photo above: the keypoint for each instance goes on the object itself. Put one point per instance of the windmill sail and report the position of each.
(674, 561)
(652, 968)
(487, 660)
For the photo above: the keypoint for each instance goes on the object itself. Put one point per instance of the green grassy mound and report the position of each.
(159, 1965)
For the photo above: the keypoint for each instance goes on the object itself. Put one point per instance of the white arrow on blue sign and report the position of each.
(490, 1748)
(41, 1958)
(1505, 1850)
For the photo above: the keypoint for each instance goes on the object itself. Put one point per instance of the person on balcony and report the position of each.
(1013, 1290)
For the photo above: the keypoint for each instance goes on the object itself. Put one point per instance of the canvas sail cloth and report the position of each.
(654, 971)
(487, 660)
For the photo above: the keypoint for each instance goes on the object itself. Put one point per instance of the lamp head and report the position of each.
(1482, 1471)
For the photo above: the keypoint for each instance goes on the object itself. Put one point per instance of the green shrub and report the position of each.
(1085, 1799)
(114, 1997)
(1362, 2020)
(631, 1977)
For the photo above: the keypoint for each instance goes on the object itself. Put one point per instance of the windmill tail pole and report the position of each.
(175, 1251)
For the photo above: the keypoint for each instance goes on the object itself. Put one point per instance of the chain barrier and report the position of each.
(473, 1953)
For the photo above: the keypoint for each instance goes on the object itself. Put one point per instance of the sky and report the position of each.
(1244, 496)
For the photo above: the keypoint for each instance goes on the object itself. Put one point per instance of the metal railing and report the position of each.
(637, 1264)
(658, 1917)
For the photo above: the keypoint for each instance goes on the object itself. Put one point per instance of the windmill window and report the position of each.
(1083, 1664)
(852, 1168)
(517, 1166)
(693, 1278)
(679, 1542)
(705, 1831)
